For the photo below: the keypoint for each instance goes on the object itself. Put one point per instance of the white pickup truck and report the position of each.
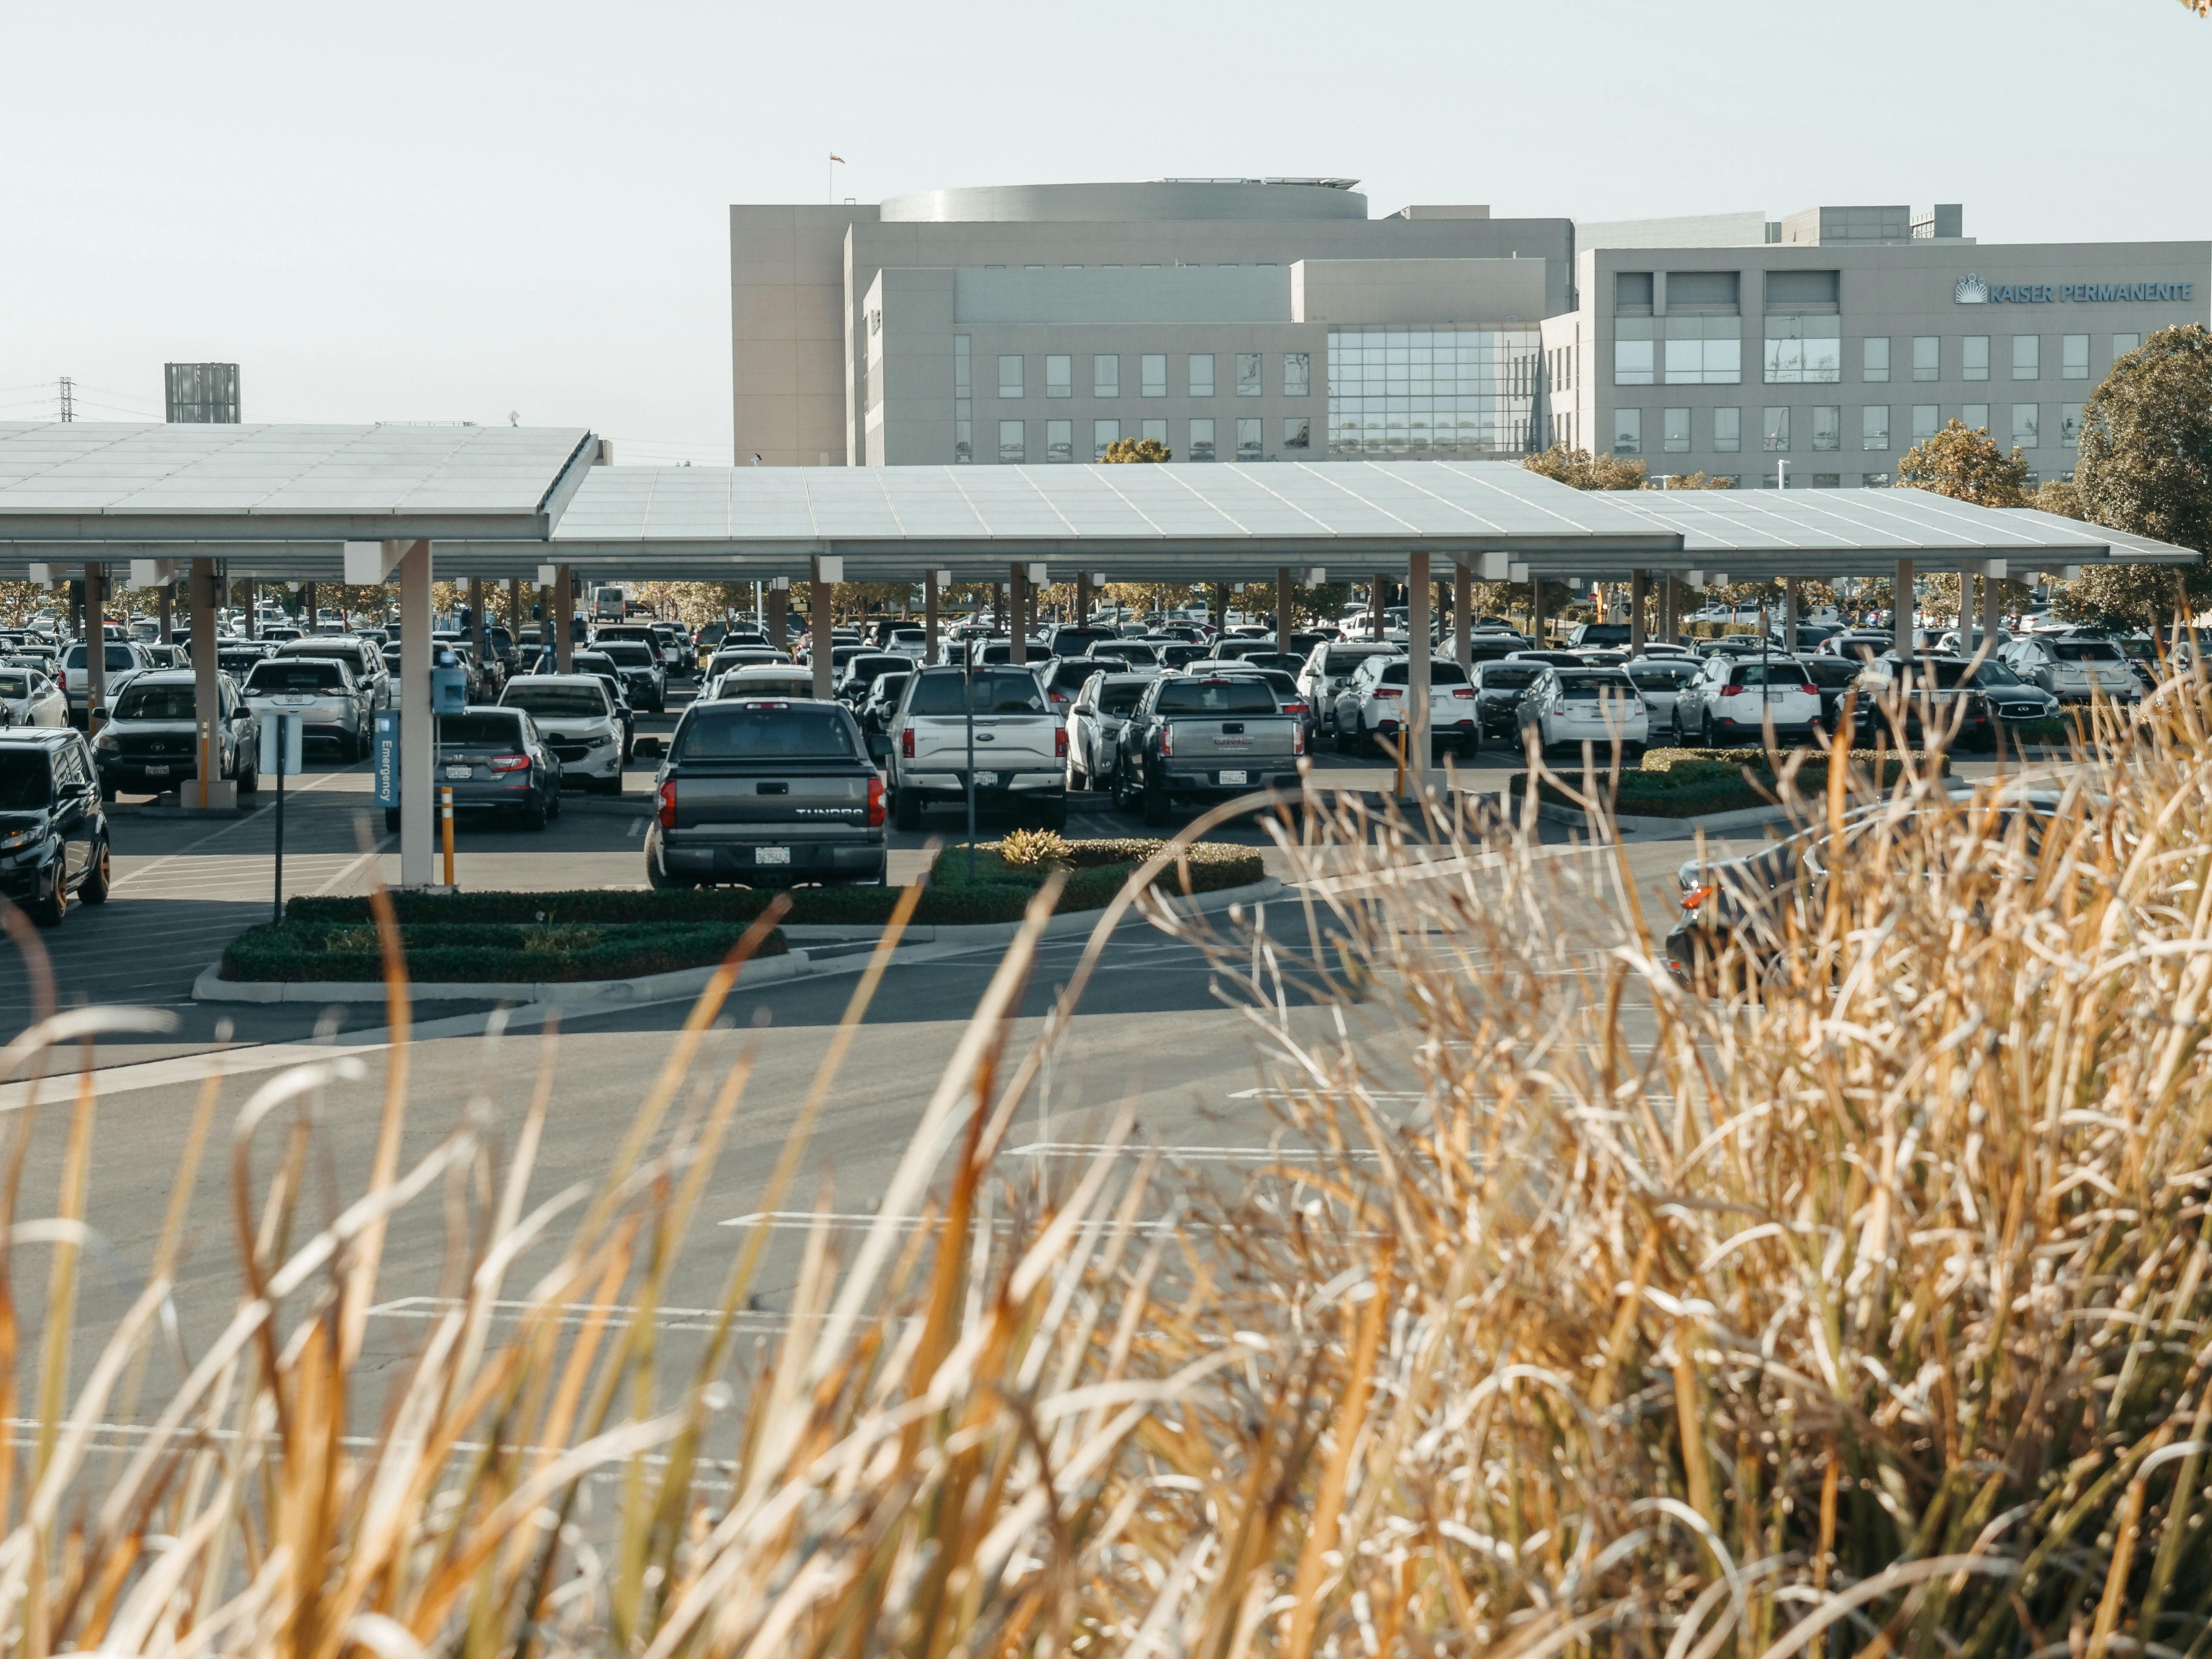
(1014, 744)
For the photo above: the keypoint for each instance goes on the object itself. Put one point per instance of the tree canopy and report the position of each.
(1580, 470)
(1137, 449)
(1967, 466)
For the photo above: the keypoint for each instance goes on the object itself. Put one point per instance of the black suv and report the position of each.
(53, 833)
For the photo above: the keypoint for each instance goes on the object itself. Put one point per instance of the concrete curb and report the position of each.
(1069, 922)
(1747, 817)
(557, 993)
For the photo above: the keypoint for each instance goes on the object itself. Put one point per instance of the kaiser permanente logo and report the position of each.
(1971, 291)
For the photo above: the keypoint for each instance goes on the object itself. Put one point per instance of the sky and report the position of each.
(462, 211)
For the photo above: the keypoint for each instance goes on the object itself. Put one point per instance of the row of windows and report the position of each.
(1060, 439)
(1776, 479)
(1295, 381)
(1824, 424)
(1809, 350)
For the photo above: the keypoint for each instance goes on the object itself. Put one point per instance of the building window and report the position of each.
(1874, 427)
(1631, 293)
(1976, 416)
(1297, 432)
(1827, 426)
(2026, 419)
(2073, 356)
(1059, 442)
(1297, 374)
(1202, 377)
(1152, 374)
(1106, 377)
(1675, 431)
(2070, 425)
(1777, 430)
(2123, 343)
(1101, 433)
(1010, 441)
(1201, 437)
(1156, 431)
(1704, 351)
(1827, 481)
(1927, 357)
(1975, 358)
(1628, 432)
(1804, 350)
(1632, 349)
(1250, 446)
(1926, 421)
(2028, 356)
(1247, 373)
(1457, 393)
(1059, 375)
(1874, 480)
(1874, 357)
(964, 406)
(1010, 377)
(1728, 430)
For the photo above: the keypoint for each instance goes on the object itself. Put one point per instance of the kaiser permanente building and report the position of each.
(1257, 321)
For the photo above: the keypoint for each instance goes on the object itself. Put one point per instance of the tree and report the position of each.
(1697, 481)
(1967, 466)
(1137, 449)
(1578, 469)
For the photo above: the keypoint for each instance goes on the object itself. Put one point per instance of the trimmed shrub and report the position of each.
(446, 952)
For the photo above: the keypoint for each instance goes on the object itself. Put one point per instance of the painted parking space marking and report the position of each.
(1092, 1149)
(751, 1320)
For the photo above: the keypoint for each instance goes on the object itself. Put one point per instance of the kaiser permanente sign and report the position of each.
(1971, 291)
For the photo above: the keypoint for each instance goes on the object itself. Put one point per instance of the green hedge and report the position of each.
(1816, 764)
(999, 893)
(322, 948)
(1684, 783)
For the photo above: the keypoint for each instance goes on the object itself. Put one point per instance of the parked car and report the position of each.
(1371, 708)
(1179, 742)
(365, 658)
(123, 659)
(1021, 746)
(1140, 655)
(150, 743)
(1930, 697)
(1855, 644)
(1575, 706)
(766, 790)
(1095, 719)
(575, 715)
(659, 647)
(236, 658)
(1074, 639)
(1659, 684)
(602, 667)
(495, 760)
(860, 673)
(742, 656)
(642, 671)
(883, 701)
(53, 831)
(2073, 666)
(1328, 671)
(322, 692)
(29, 697)
(1499, 688)
(761, 679)
(1733, 699)
(1062, 677)
(1833, 677)
(912, 643)
(1597, 635)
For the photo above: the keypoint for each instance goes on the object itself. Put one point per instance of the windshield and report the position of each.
(1507, 676)
(24, 784)
(1119, 700)
(271, 675)
(15, 685)
(1126, 651)
(1994, 673)
(141, 702)
(1588, 687)
(1831, 672)
(627, 653)
(556, 701)
(997, 691)
(768, 731)
(1246, 695)
(480, 728)
(1603, 634)
(768, 685)
(1667, 678)
(2085, 650)
(1772, 673)
(1175, 655)
(1440, 673)
(118, 656)
(866, 668)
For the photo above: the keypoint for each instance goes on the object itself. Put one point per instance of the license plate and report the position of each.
(1232, 777)
(293, 697)
(160, 771)
(771, 855)
(460, 771)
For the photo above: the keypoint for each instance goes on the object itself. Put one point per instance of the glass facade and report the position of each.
(1926, 421)
(2123, 343)
(1633, 350)
(1976, 416)
(1704, 350)
(1927, 356)
(2026, 422)
(2073, 356)
(1777, 427)
(1628, 432)
(1297, 432)
(2028, 356)
(964, 405)
(1974, 357)
(2070, 425)
(1449, 393)
(1010, 377)
(1804, 350)
(1156, 430)
(1827, 426)
(1297, 374)
(1874, 357)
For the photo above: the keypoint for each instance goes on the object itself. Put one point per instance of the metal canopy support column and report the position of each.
(1374, 604)
(564, 612)
(1992, 584)
(418, 806)
(1221, 607)
(1017, 615)
(307, 608)
(819, 649)
(96, 644)
(929, 597)
(1414, 736)
(1286, 608)
(514, 610)
(1901, 623)
(1082, 597)
(207, 703)
(1463, 617)
(778, 603)
(1639, 593)
(166, 619)
(1536, 609)
(1790, 613)
(476, 616)
(1967, 575)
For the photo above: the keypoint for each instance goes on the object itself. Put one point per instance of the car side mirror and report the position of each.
(879, 745)
(649, 748)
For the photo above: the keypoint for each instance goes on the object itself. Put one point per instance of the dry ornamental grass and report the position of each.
(1863, 1311)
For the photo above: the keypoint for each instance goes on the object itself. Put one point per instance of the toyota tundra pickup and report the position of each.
(1190, 740)
(767, 792)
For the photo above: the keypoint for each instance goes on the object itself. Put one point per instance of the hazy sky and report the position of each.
(409, 211)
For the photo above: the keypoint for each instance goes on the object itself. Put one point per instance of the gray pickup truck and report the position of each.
(1192, 739)
(767, 792)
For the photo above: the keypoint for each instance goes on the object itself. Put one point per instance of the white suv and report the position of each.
(2073, 668)
(1373, 706)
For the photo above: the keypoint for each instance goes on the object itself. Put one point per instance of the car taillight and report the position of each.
(667, 813)
(1694, 897)
(875, 803)
(1730, 691)
(906, 743)
(1167, 741)
(1298, 738)
(508, 762)
(1057, 697)
(1059, 742)
(1388, 691)
(1463, 691)
(1294, 709)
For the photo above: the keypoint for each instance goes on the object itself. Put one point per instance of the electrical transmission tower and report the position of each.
(69, 398)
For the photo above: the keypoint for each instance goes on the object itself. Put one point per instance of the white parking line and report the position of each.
(1307, 1094)
(576, 1313)
(1089, 1149)
(804, 1220)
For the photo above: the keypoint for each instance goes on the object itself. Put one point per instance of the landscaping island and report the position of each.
(1689, 783)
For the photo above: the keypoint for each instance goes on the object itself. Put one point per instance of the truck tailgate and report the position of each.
(789, 803)
(1003, 743)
